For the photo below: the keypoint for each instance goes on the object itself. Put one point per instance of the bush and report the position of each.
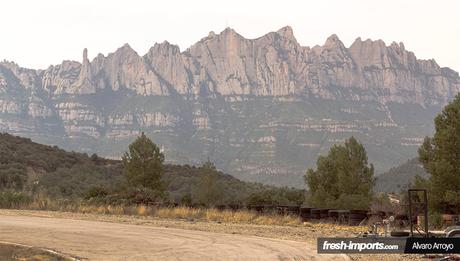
(12, 199)
(435, 220)
(186, 200)
(95, 192)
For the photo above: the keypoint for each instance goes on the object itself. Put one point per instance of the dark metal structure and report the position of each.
(418, 199)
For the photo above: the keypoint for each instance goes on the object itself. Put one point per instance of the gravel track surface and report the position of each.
(147, 239)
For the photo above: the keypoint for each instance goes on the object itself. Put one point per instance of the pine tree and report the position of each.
(209, 191)
(440, 156)
(343, 178)
(143, 164)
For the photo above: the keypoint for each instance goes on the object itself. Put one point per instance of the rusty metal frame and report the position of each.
(424, 205)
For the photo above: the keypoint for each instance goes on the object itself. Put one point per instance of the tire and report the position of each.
(454, 234)
(293, 210)
(355, 222)
(305, 212)
(315, 213)
(357, 216)
(358, 211)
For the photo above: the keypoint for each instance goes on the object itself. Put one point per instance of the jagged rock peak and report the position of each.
(85, 55)
(161, 51)
(286, 32)
(228, 30)
(165, 46)
(126, 48)
(9, 63)
(333, 41)
(85, 61)
(229, 33)
(399, 45)
(368, 42)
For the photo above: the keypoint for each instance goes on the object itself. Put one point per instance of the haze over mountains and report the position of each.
(262, 109)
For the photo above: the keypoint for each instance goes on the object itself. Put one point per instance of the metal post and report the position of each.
(410, 214)
(426, 212)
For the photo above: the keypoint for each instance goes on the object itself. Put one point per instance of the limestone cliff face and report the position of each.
(264, 105)
(276, 65)
(273, 65)
(172, 66)
(126, 69)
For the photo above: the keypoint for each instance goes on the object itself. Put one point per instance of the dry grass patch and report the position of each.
(178, 212)
(337, 227)
(186, 213)
(228, 216)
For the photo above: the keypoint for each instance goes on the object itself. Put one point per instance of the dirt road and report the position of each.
(95, 240)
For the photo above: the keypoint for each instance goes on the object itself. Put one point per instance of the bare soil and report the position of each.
(305, 235)
(100, 237)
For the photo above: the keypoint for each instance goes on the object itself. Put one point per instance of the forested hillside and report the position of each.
(52, 172)
(400, 177)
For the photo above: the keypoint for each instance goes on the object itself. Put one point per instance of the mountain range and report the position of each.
(261, 109)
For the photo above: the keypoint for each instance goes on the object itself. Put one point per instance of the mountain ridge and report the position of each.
(262, 109)
(358, 56)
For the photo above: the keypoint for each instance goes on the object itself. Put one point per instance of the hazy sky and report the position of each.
(36, 34)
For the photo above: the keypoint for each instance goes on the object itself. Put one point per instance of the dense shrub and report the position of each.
(13, 199)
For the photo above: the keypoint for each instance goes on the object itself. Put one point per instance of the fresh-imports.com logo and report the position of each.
(350, 245)
(361, 245)
(388, 245)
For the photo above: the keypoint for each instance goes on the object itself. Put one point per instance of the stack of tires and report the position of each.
(342, 216)
(355, 217)
(258, 209)
(281, 210)
(315, 214)
(305, 214)
(293, 210)
(324, 213)
(333, 215)
(269, 209)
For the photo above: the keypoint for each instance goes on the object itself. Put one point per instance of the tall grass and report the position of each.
(180, 212)
(195, 214)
